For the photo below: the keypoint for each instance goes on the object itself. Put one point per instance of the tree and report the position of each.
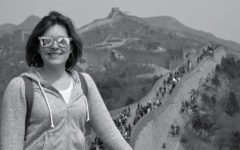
(208, 101)
(232, 105)
(229, 66)
(6, 39)
(216, 82)
(218, 68)
(235, 140)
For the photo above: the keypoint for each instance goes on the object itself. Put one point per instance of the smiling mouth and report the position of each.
(52, 54)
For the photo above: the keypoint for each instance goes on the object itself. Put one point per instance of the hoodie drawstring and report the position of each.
(49, 108)
(88, 117)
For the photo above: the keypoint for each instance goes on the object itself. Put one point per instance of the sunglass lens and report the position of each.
(46, 41)
(63, 42)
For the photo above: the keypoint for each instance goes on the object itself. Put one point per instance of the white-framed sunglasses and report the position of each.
(47, 41)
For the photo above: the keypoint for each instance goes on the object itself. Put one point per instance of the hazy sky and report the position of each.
(220, 17)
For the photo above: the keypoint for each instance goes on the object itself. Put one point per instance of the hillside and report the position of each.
(27, 26)
(147, 37)
(153, 131)
(170, 23)
(214, 123)
(137, 39)
(29, 23)
(7, 28)
(173, 24)
(119, 85)
(153, 27)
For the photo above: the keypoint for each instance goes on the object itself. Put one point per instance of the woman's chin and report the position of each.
(56, 64)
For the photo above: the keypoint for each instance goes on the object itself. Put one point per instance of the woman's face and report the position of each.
(55, 47)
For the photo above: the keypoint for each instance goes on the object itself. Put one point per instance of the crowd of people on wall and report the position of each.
(144, 109)
(123, 126)
(185, 105)
(96, 144)
(189, 105)
(174, 130)
(168, 85)
(207, 51)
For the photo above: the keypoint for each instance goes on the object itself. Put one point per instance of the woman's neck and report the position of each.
(52, 74)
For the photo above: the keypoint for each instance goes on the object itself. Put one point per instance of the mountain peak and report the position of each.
(31, 18)
(165, 22)
(29, 22)
(116, 12)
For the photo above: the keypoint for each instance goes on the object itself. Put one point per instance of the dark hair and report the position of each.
(34, 59)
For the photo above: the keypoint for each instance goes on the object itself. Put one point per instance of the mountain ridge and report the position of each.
(125, 27)
(26, 25)
(29, 23)
(170, 24)
(164, 22)
(7, 28)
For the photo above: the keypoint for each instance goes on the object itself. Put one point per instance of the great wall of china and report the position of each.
(114, 14)
(151, 97)
(159, 120)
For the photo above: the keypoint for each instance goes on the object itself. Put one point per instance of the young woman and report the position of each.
(60, 109)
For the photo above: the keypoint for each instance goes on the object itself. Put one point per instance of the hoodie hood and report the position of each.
(34, 75)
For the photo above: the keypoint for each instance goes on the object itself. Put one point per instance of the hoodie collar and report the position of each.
(33, 74)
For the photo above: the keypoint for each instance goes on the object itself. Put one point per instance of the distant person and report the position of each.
(60, 110)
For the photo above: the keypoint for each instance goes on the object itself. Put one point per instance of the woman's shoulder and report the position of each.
(15, 86)
(16, 82)
(19, 81)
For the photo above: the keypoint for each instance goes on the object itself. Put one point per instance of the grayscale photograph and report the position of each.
(119, 75)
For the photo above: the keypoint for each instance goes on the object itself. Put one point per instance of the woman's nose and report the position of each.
(54, 45)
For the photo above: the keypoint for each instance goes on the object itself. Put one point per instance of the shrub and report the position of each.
(231, 106)
(218, 68)
(216, 82)
(208, 101)
(235, 140)
(204, 122)
(230, 67)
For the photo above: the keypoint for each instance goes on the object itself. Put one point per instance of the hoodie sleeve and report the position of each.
(13, 112)
(101, 121)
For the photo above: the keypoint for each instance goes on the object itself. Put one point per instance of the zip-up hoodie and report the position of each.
(55, 125)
